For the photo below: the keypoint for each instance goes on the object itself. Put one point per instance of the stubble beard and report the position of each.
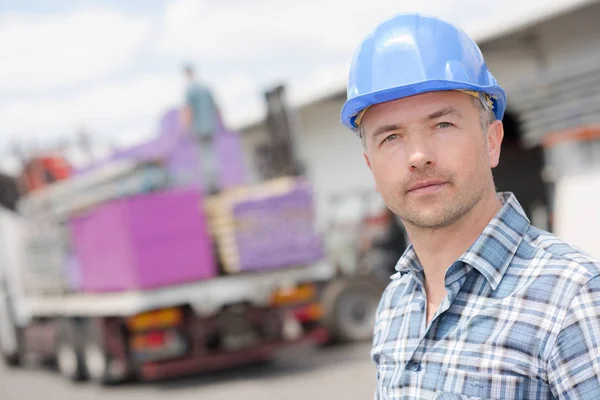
(440, 209)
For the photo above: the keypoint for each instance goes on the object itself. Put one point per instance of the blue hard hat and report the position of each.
(411, 54)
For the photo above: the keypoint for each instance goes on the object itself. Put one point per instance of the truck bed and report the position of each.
(205, 297)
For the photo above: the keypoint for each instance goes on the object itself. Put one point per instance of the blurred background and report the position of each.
(184, 215)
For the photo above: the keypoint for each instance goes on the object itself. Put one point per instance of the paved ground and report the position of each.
(340, 372)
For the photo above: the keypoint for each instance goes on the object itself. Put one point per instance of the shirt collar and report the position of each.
(494, 249)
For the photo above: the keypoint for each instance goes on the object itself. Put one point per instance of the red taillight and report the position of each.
(310, 313)
(157, 345)
(155, 339)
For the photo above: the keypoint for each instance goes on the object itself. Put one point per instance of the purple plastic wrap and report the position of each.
(177, 147)
(277, 231)
(143, 242)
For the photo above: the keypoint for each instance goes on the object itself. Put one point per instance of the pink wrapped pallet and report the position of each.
(143, 242)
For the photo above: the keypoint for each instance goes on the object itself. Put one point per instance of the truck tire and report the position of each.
(69, 360)
(350, 308)
(97, 360)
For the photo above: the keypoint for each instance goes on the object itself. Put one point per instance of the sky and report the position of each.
(114, 67)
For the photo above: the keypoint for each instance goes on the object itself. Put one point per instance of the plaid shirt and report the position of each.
(521, 320)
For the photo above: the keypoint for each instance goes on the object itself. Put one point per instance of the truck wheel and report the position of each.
(350, 309)
(99, 366)
(68, 352)
(96, 363)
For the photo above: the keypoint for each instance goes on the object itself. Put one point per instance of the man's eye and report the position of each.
(390, 138)
(444, 125)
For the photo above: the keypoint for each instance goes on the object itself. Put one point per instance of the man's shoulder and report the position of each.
(551, 254)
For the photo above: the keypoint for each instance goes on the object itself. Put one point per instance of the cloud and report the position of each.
(106, 108)
(245, 31)
(58, 51)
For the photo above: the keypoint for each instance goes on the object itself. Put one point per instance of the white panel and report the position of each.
(577, 216)
(333, 155)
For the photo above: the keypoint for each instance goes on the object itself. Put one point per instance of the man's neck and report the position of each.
(437, 249)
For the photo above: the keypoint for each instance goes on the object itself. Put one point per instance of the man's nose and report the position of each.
(420, 155)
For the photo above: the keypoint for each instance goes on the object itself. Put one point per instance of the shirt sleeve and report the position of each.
(574, 363)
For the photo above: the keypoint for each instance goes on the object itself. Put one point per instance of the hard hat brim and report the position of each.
(355, 105)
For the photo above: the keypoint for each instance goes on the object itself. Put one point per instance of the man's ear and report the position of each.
(495, 135)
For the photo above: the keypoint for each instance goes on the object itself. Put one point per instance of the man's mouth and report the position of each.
(427, 186)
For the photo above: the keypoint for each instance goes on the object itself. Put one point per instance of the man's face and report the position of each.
(429, 157)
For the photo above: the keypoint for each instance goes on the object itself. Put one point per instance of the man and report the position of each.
(483, 305)
(201, 118)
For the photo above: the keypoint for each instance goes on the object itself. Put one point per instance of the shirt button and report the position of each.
(414, 366)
